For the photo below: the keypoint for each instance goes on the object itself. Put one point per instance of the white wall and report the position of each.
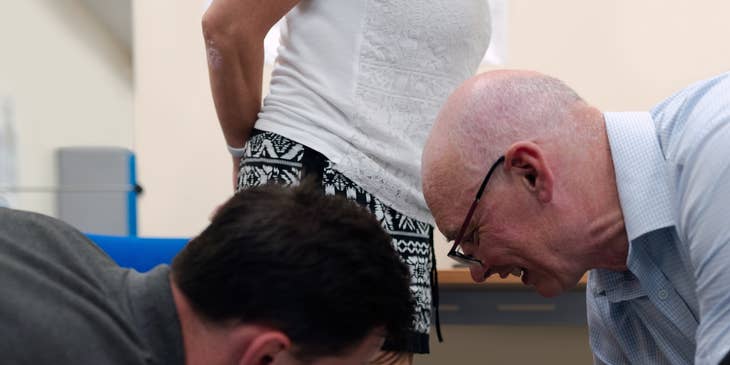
(71, 83)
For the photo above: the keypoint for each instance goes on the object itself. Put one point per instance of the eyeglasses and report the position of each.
(454, 253)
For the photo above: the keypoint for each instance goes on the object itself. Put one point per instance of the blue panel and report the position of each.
(132, 197)
(139, 253)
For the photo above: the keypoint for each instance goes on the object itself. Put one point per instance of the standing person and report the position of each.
(355, 89)
(639, 198)
(241, 292)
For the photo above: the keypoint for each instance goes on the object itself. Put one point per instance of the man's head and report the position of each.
(542, 203)
(314, 277)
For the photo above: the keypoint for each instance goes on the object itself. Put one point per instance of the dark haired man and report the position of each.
(280, 276)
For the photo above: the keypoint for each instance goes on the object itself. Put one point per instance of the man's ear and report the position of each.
(527, 160)
(263, 347)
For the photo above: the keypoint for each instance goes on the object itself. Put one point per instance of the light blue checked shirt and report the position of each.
(672, 168)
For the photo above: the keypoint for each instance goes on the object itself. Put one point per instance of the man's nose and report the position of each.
(479, 273)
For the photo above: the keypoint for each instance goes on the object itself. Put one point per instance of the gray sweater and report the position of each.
(64, 301)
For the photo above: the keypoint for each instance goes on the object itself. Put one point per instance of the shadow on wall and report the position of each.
(99, 23)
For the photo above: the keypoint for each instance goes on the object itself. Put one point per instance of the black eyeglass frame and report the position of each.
(454, 253)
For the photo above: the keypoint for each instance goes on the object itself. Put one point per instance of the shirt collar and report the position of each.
(642, 178)
(642, 181)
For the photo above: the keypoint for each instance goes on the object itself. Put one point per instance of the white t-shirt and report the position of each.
(361, 81)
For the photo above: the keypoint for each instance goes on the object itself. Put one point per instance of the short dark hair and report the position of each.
(319, 268)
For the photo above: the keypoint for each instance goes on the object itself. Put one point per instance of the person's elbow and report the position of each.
(221, 28)
(216, 26)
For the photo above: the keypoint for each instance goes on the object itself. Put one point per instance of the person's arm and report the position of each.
(704, 223)
(234, 32)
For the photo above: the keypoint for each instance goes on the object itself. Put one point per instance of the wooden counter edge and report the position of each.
(460, 277)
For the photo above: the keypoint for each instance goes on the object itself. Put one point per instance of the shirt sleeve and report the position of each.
(704, 224)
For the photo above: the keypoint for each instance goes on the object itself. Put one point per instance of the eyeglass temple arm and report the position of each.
(486, 178)
(460, 235)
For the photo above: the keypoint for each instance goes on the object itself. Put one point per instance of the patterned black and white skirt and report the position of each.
(270, 157)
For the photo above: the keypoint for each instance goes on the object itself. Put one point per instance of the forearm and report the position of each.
(235, 67)
(234, 32)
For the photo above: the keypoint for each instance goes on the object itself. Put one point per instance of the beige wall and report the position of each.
(71, 83)
(182, 160)
(620, 54)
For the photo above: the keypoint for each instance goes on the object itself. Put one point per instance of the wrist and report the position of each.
(236, 152)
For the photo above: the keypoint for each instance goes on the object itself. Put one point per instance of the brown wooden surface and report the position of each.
(460, 277)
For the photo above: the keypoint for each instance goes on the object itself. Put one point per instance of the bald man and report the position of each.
(527, 178)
